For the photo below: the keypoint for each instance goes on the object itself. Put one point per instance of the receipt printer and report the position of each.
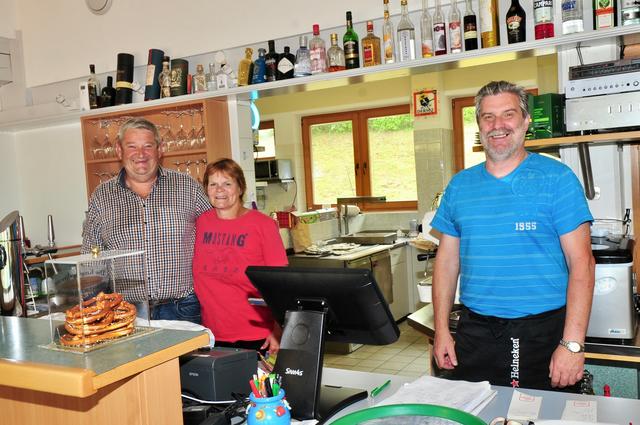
(214, 374)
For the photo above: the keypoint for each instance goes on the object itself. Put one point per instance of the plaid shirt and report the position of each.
(163, 225)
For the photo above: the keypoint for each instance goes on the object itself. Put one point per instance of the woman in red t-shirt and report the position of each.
(229, 238)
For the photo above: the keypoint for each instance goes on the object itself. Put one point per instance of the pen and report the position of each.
(377, 390)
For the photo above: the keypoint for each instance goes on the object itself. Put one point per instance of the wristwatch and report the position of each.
(573, 346)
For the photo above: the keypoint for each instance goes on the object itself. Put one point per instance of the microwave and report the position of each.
(273, 169)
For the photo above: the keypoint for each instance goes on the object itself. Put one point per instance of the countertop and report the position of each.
(422, 320)
(360, 252)
(26, 363)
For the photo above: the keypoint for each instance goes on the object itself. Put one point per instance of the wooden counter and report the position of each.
(134, 381)
(422, 320)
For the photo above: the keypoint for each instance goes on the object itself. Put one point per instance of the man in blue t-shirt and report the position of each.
(515, 229)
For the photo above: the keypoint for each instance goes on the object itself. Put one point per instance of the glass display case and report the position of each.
(92, 297)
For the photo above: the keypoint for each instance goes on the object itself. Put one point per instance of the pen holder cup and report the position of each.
(268, 410)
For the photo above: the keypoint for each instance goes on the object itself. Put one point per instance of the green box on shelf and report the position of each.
(547, 115)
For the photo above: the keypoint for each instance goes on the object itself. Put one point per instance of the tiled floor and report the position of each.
(409, 356)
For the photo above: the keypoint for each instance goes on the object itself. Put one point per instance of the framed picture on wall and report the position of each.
(425, 102)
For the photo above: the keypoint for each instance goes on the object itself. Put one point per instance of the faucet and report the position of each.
(353, 199)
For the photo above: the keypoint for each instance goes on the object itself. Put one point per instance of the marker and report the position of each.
(254, 389)
(379, 389)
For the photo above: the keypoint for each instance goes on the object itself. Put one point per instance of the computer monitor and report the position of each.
(314, 305)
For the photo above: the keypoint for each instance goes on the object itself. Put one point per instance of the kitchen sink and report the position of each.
(370, 237)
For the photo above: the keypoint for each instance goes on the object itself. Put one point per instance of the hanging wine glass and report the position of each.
(96, 148)
(181, 135)
(200, 135)
(192, 137)
(188, 167)
(168, 138)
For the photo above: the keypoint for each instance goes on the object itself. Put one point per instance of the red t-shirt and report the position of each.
(223, 250)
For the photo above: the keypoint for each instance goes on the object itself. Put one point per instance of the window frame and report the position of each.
(266, 125)
(359, 125)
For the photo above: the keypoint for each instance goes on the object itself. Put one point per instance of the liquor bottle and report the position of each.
(572, 20)
(108, 95)
(154, 67)
(199, 80)
(211, 78)
(350, 43)
(470, 27)
(284, 67)
(335, 55)
(489, 34)
(165, 78)
(259, 68)
(605, 14)
(543, 18)
(302, 67)
(270, 61)
(426, 31)
(93, 87)
(406, 35)
(388, 36)
(630, 12)
(124, 79)
(318, 52)
(516, 23)
(245, 68)
(222, 78)
(370, 47)
(455, 29)
(439, 33)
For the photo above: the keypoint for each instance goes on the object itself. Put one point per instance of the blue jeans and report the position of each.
(187, 308)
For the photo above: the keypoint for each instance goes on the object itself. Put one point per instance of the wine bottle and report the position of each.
(406, 35)
(572, 18)
(164, 79)
(93, 87)
(245, 68)
(489, 34)
(426, 31)
(370, 47)
(108, 95)
(439, 33)
(470, 24)
(318, 52)
(543, 18)
(388, 36)
(455, 29)
(154, 67)
(284, 68)
(516, 23)
(259, 68)
(605, 14)
(335, 55)
(271, 61)
(350, 43)
(302, 67)
(210, 78)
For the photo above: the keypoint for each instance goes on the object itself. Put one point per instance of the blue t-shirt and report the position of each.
(511, 260)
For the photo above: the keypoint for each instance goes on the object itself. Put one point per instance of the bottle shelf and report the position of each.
(601, 138)
(30, 118)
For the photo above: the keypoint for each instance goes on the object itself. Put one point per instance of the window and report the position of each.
(266, 147)
(360, 153)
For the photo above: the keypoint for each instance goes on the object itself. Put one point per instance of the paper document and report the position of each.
(580, 410)
(524, 406)
(461, 395)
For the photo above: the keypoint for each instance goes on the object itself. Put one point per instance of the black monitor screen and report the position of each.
(357, 310)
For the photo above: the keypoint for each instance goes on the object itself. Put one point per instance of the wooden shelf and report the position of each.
(602, 138)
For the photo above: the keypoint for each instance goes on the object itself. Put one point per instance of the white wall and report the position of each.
(7, 18)
(51, 181)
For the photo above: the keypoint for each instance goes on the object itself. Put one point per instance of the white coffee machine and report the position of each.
(613, 313)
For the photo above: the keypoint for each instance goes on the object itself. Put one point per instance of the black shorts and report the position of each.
(508, 352)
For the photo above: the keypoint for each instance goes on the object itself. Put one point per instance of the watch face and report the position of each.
(573, 346)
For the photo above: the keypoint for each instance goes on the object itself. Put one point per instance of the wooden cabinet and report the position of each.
(193, 133)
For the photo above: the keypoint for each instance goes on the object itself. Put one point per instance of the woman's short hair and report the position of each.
(229, 167)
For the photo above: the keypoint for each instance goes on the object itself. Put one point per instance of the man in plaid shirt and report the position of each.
(154, 209)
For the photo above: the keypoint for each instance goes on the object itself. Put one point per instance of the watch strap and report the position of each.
(569, 345)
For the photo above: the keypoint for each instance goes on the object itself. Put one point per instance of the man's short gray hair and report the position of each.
(497, 87)
(142, 124)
